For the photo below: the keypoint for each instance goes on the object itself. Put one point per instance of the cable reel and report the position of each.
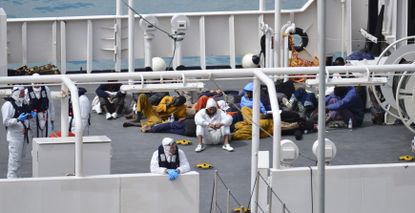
(405, 100)
(386, 94)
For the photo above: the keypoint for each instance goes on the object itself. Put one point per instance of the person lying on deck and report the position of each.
(170, 107)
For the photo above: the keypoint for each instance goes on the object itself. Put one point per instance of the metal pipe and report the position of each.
(131, 59)
(24, 43)
(289, 29)
(63, 47)
(178, 56)
(268, 48)
(148, 36)
(321, 20)
(215, 188)
(281, 50)
(255, 141)
(277, 37)
(3, 42)
(343, 2)
(206, 74)
(261, 5)
(64, 112)
(89, 48)
(276, 117)
(118, 36)
(78, 125)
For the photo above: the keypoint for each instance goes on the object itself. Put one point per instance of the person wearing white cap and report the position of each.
(212, 127)
(16, 113)
(168, 159)
(40, 101)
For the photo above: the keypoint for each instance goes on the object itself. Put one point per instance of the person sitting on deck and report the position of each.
(170, 107)
(212, 126)
(344, 105)
(243, 129)
(111, 99)
(168, 159)
(247, 101)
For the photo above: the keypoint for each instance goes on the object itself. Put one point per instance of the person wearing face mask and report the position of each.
(40, 101)
(212, 126)
(16, 114)
(170, 160)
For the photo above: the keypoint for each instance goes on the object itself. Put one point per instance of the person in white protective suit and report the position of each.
(168, 159)
(16, 115)
(40, 101)
(85, 107)
(212, 127)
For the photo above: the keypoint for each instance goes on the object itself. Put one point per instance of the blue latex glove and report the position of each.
(176, 174)
(22, 117)
(172, 175)
(33, 113)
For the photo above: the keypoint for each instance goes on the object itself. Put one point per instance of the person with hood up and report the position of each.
(40, 101)
(212, 126)
(345, 106)
(85, 107)
(168, 159)
(247, 101)
(16, 112)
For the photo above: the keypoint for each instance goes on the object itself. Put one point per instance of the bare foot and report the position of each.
(145, 129)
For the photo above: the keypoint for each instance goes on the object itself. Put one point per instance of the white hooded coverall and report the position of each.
(202, 120)
(85, 107)
(15, 136)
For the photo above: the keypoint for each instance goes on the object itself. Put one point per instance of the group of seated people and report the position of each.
(218, 116)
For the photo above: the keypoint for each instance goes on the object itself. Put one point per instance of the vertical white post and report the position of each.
(63, 47)
(118, 36)
(402, 19)
(277, 37)
(178, 55)
(78, 123)
(89, 48)
(64, 111)
(343, 37)
(255, 142)
(261, 5)
(321, 20)
(147, 50)
(268, 49)
(131, 58)
(3, 43)
(202, 42)
(24, 43)
(232, 41)
(54, 45)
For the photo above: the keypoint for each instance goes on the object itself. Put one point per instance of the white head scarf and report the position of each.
(211, 103)
(167, 143)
